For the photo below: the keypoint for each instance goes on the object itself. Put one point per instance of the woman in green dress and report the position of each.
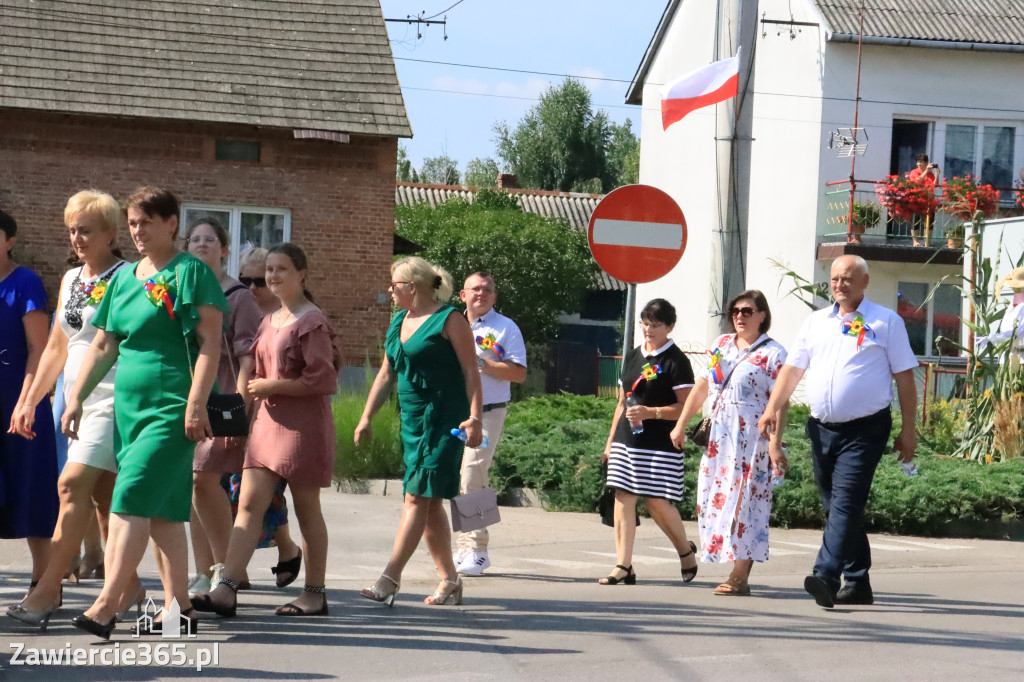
(429, 349)
(156, 319)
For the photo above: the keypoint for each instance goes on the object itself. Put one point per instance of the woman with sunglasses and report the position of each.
(734, 490)
(276, 531)
(656, 378)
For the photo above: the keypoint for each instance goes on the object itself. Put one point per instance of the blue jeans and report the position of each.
(845, 458)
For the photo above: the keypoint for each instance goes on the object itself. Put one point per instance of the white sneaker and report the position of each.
(460, 554)
(474, 563)
(198, 585)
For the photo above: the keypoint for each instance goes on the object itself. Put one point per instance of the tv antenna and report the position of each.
(848, 141)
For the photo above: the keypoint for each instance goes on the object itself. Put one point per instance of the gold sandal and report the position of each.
(446, 596)
(376, 593)
(733, 588)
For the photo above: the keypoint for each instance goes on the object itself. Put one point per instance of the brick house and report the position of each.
(281, 118)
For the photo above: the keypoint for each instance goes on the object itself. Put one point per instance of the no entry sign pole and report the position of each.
(637, 234)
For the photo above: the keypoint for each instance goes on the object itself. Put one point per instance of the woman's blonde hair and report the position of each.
(429, 279)
(97, 203)
(256, 256)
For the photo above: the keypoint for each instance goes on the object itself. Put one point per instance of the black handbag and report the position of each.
(606, 505)
(226, 411)
(701, 433)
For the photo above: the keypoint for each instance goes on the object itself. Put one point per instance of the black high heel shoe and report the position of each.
(189, 625)
(628, 579)
(205, 604)
(689, 573)
(84, 622)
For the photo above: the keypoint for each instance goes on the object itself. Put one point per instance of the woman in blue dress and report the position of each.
(28, 468)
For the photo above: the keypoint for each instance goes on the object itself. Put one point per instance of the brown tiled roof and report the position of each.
(310, 64)
(574, 207)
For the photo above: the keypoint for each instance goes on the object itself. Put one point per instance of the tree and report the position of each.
(624, 154)
(562, 143)
(542, 267)
(482, 172)
(403, 168)
(440, 170)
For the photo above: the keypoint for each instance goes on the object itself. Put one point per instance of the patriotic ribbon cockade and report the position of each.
(158, 291)
(715, 366)
(650, 372)
(489, 343)
(94, 292)
(857, 328)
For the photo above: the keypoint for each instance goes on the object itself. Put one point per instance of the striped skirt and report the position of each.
(650, 473)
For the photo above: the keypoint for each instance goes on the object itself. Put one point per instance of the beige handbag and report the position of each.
(475, 510)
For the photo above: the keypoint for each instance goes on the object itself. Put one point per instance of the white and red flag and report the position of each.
(716, 82)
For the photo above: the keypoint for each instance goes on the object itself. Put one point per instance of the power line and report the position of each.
(445, 10)
(510, 70)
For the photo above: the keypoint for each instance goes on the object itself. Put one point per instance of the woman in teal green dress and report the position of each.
(429, 349)
(156, 319)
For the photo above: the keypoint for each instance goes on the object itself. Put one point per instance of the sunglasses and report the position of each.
(260, 282)
(745, 311)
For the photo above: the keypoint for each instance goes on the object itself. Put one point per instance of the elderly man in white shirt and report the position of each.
(501, 359)
(851, 352)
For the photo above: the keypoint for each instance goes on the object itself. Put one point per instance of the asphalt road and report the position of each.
(944, 610)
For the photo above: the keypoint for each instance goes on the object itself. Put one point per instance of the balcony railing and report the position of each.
(921, 230)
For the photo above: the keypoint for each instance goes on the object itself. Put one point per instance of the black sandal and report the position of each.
(294, 610)
(205, 604)
(628, 579)
(689, 573)
(288, 568)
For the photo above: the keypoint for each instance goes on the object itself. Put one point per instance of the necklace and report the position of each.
(82, 294)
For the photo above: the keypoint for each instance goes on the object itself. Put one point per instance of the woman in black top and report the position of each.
(657, 375)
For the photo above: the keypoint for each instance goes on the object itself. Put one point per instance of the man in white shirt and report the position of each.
(501, 359)
(851, 352)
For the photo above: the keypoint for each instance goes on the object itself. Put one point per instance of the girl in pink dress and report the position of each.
(292, 436)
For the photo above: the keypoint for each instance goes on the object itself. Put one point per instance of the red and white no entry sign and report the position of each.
(637, 233)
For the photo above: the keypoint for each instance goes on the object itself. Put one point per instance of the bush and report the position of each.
(554, 444)
(381, 457)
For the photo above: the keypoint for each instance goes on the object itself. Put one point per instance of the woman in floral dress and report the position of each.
(734, 491)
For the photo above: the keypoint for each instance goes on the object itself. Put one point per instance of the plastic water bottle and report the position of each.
(461, 435)
(909, 468)
(635, 426)
(779, 475)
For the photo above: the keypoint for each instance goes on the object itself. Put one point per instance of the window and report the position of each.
(928, 319)
(248, 226)
(988, 152)
(237, 150)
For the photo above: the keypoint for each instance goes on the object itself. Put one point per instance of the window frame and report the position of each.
(234, 226)
(929, 307)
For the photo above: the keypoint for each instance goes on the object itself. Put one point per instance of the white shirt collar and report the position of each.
(483, 318)
(643, 347)
(859, 309)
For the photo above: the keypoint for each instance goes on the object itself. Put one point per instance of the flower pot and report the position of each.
(855, 232)
(954, 242)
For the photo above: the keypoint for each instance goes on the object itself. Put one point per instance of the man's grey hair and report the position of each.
(858, 261)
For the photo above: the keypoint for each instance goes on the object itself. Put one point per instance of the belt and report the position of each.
(854, 422)
(494, 406)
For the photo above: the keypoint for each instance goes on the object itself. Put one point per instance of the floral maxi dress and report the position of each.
(734, 492)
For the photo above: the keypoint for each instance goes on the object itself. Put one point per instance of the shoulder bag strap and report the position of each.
(728, 376)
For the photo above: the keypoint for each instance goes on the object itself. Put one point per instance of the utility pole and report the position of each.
(735, 28)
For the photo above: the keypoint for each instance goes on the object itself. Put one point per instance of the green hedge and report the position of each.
(553, 444)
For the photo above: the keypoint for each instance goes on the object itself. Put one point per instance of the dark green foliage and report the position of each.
(554, 444)
(381, 457)
(542, 266)
(562, 144)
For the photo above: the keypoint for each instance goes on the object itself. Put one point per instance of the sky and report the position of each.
(453, 109)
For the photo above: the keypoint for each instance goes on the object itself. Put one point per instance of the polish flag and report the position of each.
(702, 87)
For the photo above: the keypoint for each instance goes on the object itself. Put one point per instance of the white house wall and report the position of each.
(804, 88)
(785, 162)
(681, 161)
